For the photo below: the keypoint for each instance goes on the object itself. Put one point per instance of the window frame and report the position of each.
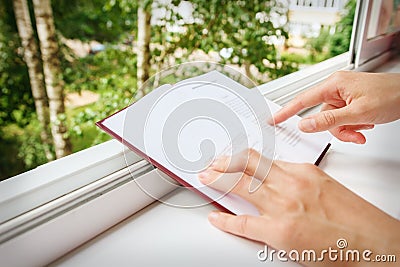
(368, 52)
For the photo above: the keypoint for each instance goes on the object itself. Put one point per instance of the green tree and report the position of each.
(327, 45)
(16, 103)
(143, 44)
(35, 70)
(101, 20)
(318, 47)
(52, 76)
(17, 109)
(340, 41)
(246, 30)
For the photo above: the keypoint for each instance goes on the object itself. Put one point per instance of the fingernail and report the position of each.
(203, 176)
(359, 142)
(307, 125)
(213, 216)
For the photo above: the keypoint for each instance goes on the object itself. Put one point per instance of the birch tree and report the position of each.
(143, 45)
(52, 75)
(33, 62)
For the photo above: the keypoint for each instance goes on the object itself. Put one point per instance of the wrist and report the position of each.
(387, 245)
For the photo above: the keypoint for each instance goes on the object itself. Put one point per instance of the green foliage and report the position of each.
(16, 103)
(318, 47)
(10, 163)
(92, 20)
(294, 57)
(83, 131)
(111, 69)
(328, 45)
(110, 73)
(30, 145)
(19, 128)
(246, 30)
(24, 148)
(340, 41)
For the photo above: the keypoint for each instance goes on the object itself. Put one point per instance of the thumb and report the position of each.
(325, 120)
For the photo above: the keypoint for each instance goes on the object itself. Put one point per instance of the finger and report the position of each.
(250, 227)
(312, 97)
(349, 133)
(359, 127)
(248, 161)
(224, 182)
(344, 134)
(243, 185)
(331, 117)
(326, 120)
(240, 184)
(289, 110)
(237, 183)
(354, 127)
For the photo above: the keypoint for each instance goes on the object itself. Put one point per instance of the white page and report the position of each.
(185, 126)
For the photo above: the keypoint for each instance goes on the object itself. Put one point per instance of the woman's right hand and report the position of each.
(352, 101)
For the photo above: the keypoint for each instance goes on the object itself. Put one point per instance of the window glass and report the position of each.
(384, 18)
(320, 29)
(107, 49)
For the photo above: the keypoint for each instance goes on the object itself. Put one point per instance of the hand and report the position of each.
(300, 208)
(352, 101)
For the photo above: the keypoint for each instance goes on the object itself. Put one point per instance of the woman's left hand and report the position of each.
(300, 207)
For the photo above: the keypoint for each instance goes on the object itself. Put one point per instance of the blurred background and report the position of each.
(66, 64)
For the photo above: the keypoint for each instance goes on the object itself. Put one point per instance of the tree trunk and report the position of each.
(247, 70)
(143, 43)
(32, 60)
(52, 75)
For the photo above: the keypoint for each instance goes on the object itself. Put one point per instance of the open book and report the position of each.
(182, 128)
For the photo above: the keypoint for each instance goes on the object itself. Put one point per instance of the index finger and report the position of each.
(249, 161)
(312, 97)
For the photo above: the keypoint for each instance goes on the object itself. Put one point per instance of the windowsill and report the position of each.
(392, 66)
